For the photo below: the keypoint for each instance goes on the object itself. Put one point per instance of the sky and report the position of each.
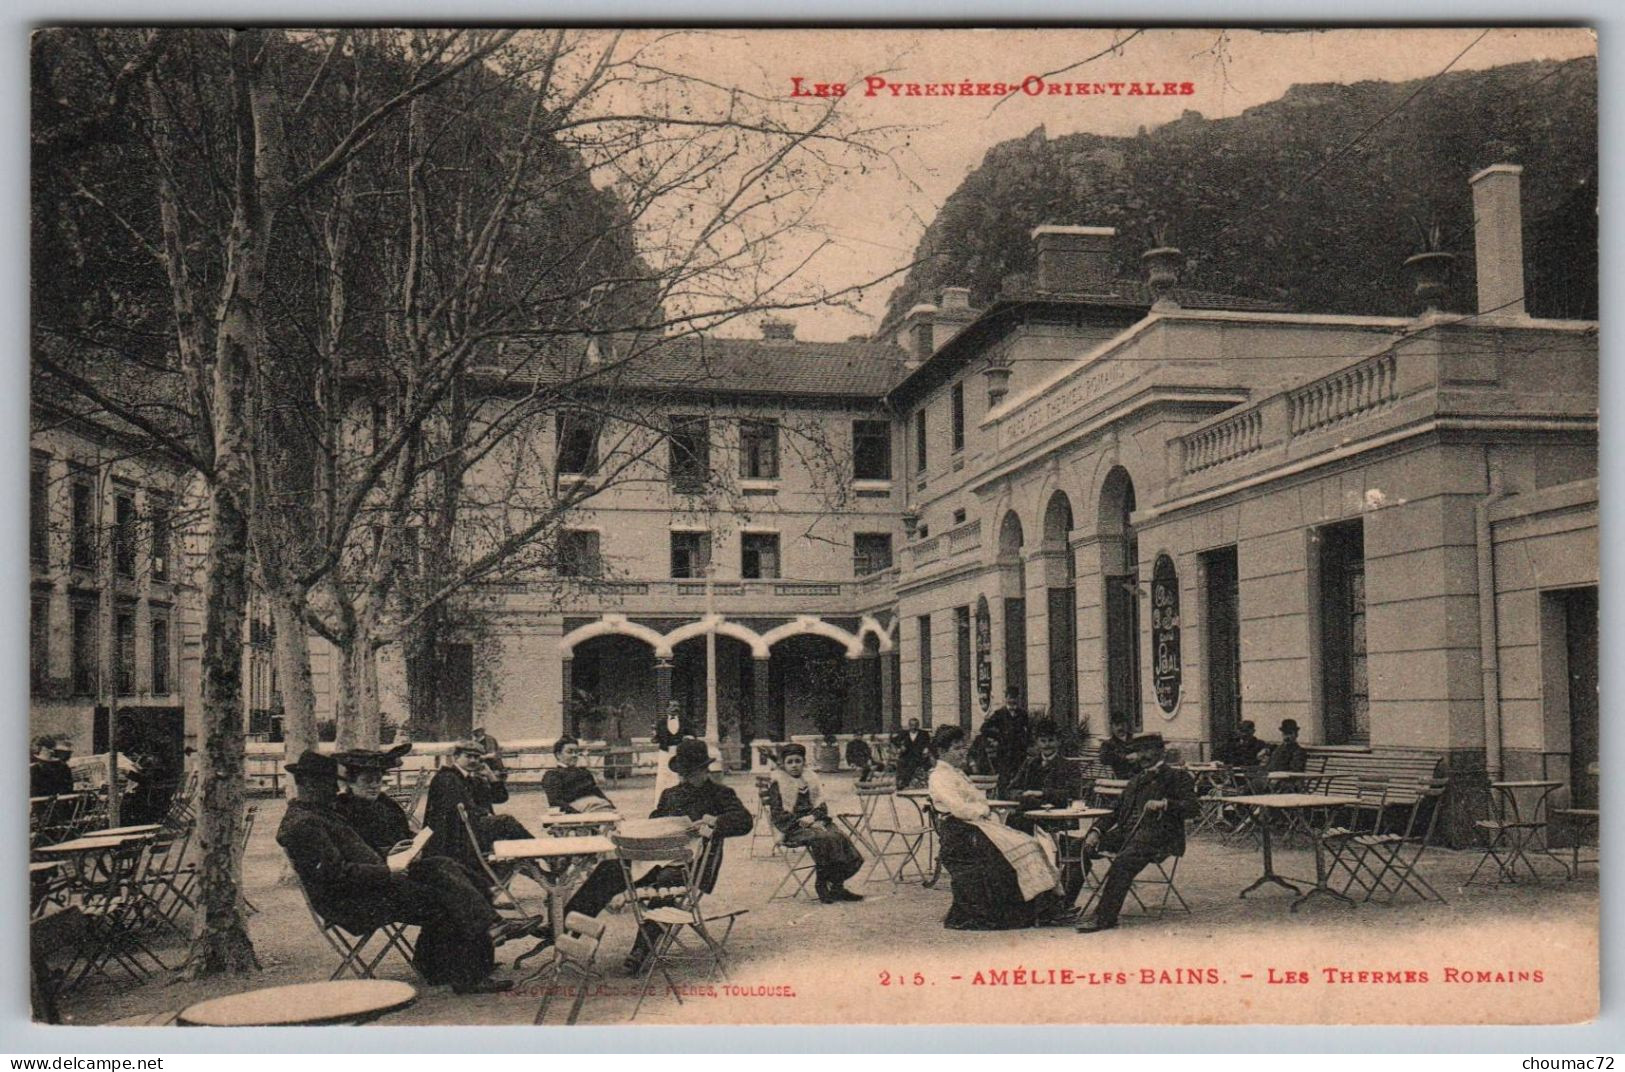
(873, 219)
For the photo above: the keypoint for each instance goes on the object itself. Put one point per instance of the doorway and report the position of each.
(1223, 615)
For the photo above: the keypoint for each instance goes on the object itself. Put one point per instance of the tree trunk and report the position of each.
(358, 714)
(221, 942)
(293, 674)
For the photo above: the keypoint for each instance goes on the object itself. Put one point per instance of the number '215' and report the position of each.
(902, 979)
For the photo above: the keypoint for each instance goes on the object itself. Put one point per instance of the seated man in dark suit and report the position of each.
(1289, 755)
(1243, 749)
(570, 786)
(351, 885)
(1147, 825)
(1046, 778)
(469, 781)
(716, 812)
(1117, 751)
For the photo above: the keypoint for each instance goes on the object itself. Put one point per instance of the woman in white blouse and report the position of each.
(1002, 878)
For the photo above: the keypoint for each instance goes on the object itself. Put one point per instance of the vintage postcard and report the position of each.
(786, 527)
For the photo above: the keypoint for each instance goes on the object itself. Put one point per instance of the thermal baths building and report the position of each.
(1140, 502)
(1129, 499)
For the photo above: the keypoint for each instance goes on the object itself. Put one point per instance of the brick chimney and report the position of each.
(778, 329)
(917, 335)
(1073, 260)
(1498, 239)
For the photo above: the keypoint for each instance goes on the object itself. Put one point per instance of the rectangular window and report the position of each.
(577, 443)
(759, 555)
(871, 552)
(871, 450)
(925, 671)
(690, 554)
(919, 441)
(690, 454)
(958, 397)
(759, 449)
(578, 554)
(124, 649)
(1345, 688)
(124, 535)
(39, 512)
(86, 665)
(159, 513)
(962, 664)
(39, 641)
(83, 509)
(160, 656)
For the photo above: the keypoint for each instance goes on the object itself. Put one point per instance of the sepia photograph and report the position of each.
(726, 526)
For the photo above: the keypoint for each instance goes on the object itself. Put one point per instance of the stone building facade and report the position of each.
(1129, 499)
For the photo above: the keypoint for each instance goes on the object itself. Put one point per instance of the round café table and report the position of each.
(351, 1001)
(563, 855)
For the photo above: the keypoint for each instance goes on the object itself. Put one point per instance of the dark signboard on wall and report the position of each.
(1166, 674)
(984, 655)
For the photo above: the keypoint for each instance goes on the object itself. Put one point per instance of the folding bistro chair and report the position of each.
(168, 881)
(574, 963)
(857, 823)
(410, 798)
(799, 871)
(1345, 844)
(761, 828)
(671, 914)
(893, 838)
(500, 888)
(1393, 857)
(354, 958)
(1160, 874)
(115, 913)
(1217, 815)
(797, 859)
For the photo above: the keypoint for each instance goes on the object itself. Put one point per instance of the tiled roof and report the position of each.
(703, 363)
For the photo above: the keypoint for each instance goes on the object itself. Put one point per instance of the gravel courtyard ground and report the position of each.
(1520, 954)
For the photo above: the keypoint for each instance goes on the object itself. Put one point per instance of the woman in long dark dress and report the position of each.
(1002, 879)
(795, 803)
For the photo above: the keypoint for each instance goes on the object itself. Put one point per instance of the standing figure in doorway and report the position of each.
(913, 755)
(1008, 735)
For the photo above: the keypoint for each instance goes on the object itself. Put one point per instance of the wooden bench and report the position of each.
(1404, 772)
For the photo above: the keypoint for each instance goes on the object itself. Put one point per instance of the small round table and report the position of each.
(352, 1001)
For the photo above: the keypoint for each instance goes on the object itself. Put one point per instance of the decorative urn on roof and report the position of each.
(997, 373)
(1430, 268)
(1162, 266)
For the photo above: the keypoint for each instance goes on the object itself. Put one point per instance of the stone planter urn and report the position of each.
(997, 375)
(1430, 275)
(1162, 266)
(827, 757)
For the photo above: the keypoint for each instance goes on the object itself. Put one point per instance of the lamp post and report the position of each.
(713, 728)
(109, 637)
